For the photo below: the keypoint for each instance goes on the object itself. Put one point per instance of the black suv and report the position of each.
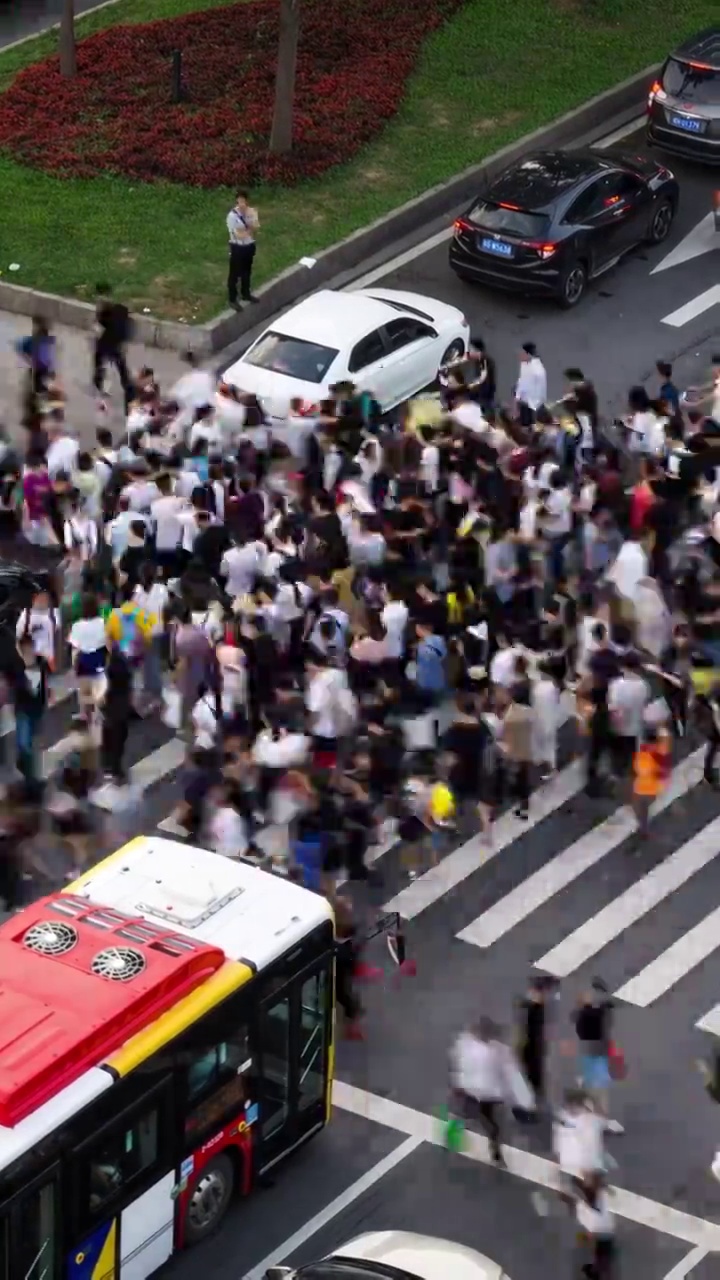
(556, 219)
(684, 102)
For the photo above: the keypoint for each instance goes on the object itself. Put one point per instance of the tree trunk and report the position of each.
(68, 54)
(282, 124)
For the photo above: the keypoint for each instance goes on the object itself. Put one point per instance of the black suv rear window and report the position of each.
(500, 217)
(686, 80)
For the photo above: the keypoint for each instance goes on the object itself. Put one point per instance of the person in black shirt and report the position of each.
(532, 1040)
(210, 544)
(116, 714)
(593, 1020)
(114, 331)
(331, 551)
(30, 696)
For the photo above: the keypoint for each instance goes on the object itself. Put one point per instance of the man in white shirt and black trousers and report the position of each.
(242, 224)
(531, 388)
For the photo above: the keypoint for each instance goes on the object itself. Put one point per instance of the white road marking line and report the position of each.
(702, 239)
(687, 1264)
(635, 1208)
(572, 862)
(149, 770)
(703, 302)
(172, 826)
(674, 963)
(335, 1208)
(710, 1021)
(619, 134)
(630, 906)
(402, 259)
(476, 853)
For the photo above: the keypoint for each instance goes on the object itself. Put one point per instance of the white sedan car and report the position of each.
(386, 341)
(399, 1255)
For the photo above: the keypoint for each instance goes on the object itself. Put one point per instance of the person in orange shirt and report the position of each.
(651, 770)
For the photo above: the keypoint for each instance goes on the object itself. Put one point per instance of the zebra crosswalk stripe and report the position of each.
(625, 910)
(573, 862)
(674, 963)
(475, 853)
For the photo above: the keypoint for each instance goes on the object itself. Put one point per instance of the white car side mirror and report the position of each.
(278, 1273)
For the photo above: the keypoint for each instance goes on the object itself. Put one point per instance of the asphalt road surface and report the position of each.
(568, 892)
(20, 18)
(627, 320)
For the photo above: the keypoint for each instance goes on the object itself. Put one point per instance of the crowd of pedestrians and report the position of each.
(363, 629)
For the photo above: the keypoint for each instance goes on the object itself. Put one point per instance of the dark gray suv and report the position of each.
(684, 102)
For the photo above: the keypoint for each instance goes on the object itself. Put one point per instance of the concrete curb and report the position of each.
(297, 282)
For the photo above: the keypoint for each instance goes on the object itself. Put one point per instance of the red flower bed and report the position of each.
(116, 114)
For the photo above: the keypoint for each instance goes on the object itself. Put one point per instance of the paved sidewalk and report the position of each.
(75, 370)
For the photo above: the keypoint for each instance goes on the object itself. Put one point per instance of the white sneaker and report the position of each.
(614, 1126)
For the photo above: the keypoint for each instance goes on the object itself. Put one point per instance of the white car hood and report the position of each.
(274, 390)
(422, 1256)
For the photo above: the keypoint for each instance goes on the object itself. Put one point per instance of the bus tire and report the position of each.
(209, 1198)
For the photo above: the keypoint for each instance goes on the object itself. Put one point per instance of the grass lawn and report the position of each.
(496, 71)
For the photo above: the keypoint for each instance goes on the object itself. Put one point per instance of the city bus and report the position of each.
(166, 1037)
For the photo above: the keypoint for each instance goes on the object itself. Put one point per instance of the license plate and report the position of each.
(500, 247)
(688, 123)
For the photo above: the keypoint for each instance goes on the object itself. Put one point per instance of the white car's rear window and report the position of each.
(294, 357)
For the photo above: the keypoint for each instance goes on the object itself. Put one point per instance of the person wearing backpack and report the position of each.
(129, 626)
(114, 331)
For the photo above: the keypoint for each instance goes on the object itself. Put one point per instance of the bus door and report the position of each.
(30, 1232)
(294, 1033)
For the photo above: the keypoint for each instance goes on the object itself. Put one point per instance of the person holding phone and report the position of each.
(242, 224)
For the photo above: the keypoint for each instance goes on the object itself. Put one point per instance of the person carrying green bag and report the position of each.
(452, 1130)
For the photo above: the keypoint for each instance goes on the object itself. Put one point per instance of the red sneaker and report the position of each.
(368, 972)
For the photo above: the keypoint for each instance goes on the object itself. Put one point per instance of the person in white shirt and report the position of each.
(62, 453)
(466, 413)
(194, 522)
(578, 1139)
(207, 429)
(166, 513)
(329, 633)
(153, 598)
(194, 388)
(226, 828)
(105, 456)
(80, 535)
(394, 618)
(629, 567)
(429, 462)
(88, 642)
(627, 700)
(531, 388)
(241, 566)
(187, 480)
(229, 414)
(117, 530)
(141, 493)
(504, 664)
(328, 699)
(556, 523)
(41, 623)
(545, 701)
(205, 719)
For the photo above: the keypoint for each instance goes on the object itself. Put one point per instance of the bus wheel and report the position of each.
(208, 1200)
